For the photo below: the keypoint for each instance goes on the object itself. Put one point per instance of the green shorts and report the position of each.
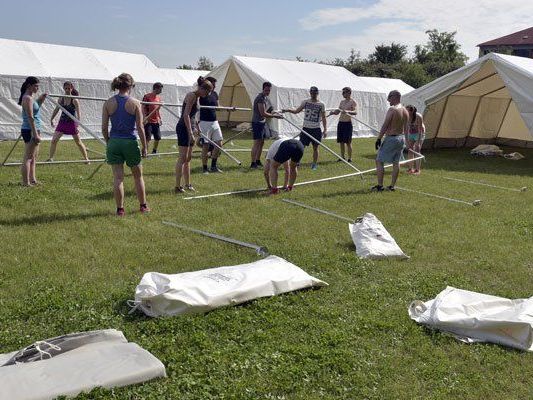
(123, 150)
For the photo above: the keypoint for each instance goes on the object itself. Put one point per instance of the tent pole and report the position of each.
(318, 210)
(440, 122)
(236, 135)
(231, 100)
(470, 203)
(12, 149)
(503, 119)
(522, 189)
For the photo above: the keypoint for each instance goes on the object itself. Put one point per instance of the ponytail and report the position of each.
(30, 80)
(122, 82)
(414, 111)
(200, 81)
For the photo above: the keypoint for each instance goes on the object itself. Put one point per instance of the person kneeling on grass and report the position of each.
(390, 150)
(122, 146)
(279, 153)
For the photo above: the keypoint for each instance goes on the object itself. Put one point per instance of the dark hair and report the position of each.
(347, 89)
(203, 83)
(122, 82)
(30, 80)
(157, 85)
(211, 79)
(73, 92)
(395, 93)
(414, 110)
(266, 84)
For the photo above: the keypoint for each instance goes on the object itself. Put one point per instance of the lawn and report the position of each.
(68, 264)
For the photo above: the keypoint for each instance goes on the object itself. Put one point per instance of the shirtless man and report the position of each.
(394, 128)
(315, 112)
(347, 109)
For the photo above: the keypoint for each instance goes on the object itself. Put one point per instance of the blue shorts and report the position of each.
(259, 130)
(391, 149)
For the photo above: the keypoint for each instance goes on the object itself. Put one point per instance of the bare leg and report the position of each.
(53, 144)
(349, 147)
(137, 172)
(410, 145)
(216, 152)
(259, 150)
(287, 174)
(205, 150)
(273, 173)
(81, 146)
(315, 153)
(26, 163)
(187, 167)
(293, 173)
(35, 153)
(342, 150)
(418, 149)
(179, 164)
(118, 184)
(380, 171)
(395, 173)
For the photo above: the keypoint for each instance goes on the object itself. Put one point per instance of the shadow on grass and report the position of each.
(51, 218)
(347, 193)
(109, 194)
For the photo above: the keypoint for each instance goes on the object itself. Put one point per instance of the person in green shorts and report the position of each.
(122, 146)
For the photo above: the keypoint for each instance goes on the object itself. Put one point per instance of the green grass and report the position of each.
(67, 264)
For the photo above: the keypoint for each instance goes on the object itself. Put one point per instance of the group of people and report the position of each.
(132, 120)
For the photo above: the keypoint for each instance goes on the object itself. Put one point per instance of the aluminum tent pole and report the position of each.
(12, 149)
(318, 210)
(522, 189)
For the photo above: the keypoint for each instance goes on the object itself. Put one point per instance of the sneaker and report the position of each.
(416, 172)
(259, 163)
(287, 189)
(274, 190)
(154, 151)
(349, 160)
(205, 171)
(120, 212)
(215, 170)
(391, 188)
(253, 165)
(340, 159)
(179, 189)
(144, 208)
(377, 188)
(314, 167)
(190, 188)
(50, 160)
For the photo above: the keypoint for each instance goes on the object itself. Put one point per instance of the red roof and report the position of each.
(524, 37)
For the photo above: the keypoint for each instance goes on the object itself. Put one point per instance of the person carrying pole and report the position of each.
(210, 128)
(279, 153)
(315, 112)
(31, 128)
(66, 125)
(347, 109)
(151, 115)
(185, 131)
(390, 150)
(125, 113)
(262, 110)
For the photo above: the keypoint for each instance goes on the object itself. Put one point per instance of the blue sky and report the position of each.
(177, 32)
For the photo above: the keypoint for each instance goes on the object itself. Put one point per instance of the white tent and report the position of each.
(386, 85)
(487, 101)
(184, 79)
(90, 70)
(240, 79)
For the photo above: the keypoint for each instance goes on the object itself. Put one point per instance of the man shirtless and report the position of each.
(394, 128)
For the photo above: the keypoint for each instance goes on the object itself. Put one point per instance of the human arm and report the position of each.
(77, 113)
(105, 122)
(140, 127)
(324, 121)
(266, 173)
(41, 99)
(264, 113)
(294, 110)
(189, 99)
(54, 113)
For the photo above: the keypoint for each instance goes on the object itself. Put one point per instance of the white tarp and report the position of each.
(90, 70)
(240, 79)
(487, 101)
(372, 240)
(476, 317)
(75, 363)
(201, 291)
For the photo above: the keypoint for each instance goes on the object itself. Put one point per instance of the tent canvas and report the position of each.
(90, 70)
(184, 79)
(489, 101)
(241, 78)
(386, 85)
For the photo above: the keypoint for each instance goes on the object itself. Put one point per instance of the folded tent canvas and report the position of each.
(489, 101)
(241, 78)
(90, 70)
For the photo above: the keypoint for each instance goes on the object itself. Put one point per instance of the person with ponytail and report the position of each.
(186, 132)
(66, 125)
(31, 128)
(122, 146)
(415, 138)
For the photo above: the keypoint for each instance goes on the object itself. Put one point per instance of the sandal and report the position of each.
(179, 189)
(391, 188)
(377, 188)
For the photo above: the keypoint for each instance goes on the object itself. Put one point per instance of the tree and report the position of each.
(442, 47)
(205, 64)
(185, 66)
(389, 54)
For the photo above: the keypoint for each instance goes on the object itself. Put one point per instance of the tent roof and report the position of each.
(183, 77)
(385, 85)
(21, 58)
(302, 75)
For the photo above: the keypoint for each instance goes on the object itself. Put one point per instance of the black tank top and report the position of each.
(192, 114)
(71, 108)
(209, 114)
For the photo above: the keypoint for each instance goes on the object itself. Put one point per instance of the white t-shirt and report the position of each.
(274, 148)
(313, 113)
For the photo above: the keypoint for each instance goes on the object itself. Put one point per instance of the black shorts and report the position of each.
(291, 149)
(314, 132)
(344, 132)
(184, 139)
(152, 129)
(26, 135)
(259, 130)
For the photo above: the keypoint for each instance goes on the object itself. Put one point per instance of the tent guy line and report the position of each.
(521, 190)
(469, 203)
(318, 210)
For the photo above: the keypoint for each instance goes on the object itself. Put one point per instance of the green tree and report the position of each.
(205, 64)
(185, 66)
(389, 54)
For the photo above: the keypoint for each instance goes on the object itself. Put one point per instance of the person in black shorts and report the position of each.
(347, 109)
(152, 118)
(315, 113)
(279, 153)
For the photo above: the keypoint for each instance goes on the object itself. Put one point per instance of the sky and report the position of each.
(175, 32)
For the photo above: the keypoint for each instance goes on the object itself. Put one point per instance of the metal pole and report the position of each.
(262, 251)
(14, 164)
(523, 189)
(12, 149)
(331, 214)
(234, 136)
(469, 203)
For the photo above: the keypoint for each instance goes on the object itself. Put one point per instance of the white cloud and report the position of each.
(475, 21)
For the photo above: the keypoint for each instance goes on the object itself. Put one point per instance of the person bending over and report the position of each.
(279, 153)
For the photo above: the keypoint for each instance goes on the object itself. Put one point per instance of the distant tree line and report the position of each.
(204, 63)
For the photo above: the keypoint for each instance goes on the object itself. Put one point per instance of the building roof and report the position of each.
(524, 37)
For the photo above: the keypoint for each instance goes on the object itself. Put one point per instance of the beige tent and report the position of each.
(487, 101)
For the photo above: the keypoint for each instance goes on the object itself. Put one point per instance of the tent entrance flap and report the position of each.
(233, 94)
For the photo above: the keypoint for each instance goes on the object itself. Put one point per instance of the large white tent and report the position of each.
(184, 79)
(90, 70)
(386, 85)
(487, 101)
(240, 79)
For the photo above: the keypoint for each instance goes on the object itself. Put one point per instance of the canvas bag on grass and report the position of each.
(476, 317)
(372, 240)
(201, 291)
(70, 364)
(486, 150)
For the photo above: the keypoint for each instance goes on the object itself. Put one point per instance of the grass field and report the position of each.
(68, 264)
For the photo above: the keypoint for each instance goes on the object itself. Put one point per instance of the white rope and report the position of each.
(96, 160)
(469, 203)
(331, 214)
(523, 189)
